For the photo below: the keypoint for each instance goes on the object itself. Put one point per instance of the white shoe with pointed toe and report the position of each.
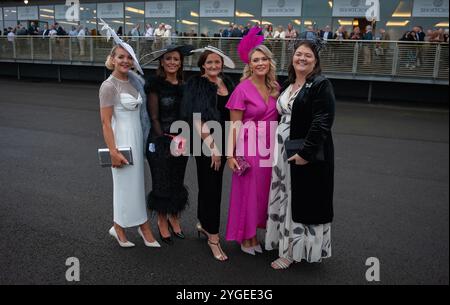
(258, 248)
(154, 244)
(126, 244)
(250, 250)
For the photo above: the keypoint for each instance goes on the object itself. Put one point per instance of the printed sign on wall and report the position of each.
(160, 9)
(281, 8)
(216, 8)
(110, 10)
(430, 8)
(349, 8)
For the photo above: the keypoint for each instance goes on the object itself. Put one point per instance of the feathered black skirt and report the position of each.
(169, 195)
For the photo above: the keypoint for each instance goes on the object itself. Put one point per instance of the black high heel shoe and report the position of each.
(180, 234)
(167, 240)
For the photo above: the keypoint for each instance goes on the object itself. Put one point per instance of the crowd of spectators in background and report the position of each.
(417, 33)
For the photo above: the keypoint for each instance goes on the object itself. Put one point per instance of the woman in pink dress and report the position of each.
(253, 103)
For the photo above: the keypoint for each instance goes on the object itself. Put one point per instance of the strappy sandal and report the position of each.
(281, 263)
(221, 257)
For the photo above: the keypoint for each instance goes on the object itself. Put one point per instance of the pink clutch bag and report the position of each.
(243, 165)
(180, 144)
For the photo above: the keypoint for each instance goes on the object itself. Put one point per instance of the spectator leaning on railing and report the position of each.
(380, 47)
(291, 32)
(268, 31)
(60, 30)
(279, 33)
(159, 32)
(356, 34)
(135, 32)
(326, 34)
(73, 32)
(32, 29)
(341, 33)
(119, 31)
(149, 31)
(236, 32)
(418, 31)
(367, 48)
(309, 34)
(11, 35)
(81, 39)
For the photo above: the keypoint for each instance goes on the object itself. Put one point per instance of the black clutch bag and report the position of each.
(104, 157)
(294, 146)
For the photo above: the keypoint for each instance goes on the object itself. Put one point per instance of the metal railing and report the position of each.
(365, 60)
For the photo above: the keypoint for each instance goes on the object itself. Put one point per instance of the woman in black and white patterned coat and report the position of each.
(301, 198)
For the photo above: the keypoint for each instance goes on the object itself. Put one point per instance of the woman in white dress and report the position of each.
(120, 105)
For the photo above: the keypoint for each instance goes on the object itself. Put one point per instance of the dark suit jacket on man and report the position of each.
(329, 35)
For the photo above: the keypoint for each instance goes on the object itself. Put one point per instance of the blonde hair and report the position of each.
(108, 63)
(271, 78)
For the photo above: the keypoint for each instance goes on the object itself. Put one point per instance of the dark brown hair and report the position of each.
(317, 68)
(202, 60)
(180, 75)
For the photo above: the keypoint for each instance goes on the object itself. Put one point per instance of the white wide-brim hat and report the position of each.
(111, 33)
(130, 50)
(227, 61)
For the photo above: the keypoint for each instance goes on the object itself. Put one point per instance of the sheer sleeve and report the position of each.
(152, 85)
(237, 99)
(153, 106)
(108, 95)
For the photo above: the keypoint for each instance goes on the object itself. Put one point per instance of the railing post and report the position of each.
(91, 49)
(138, 44)
(355, 58)
(14, 49)
(70, 49)
(437, 61)
(395, 60)
(283, 55)
(369, 94)
(32, 47)
(190, 57)
(59, 73)
(50, 49)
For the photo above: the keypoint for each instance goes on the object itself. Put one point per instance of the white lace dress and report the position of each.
(294, 240)
(129, 186)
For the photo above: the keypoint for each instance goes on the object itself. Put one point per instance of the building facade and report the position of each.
(209, 17)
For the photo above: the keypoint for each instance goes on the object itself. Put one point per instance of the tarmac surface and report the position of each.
(391, 200)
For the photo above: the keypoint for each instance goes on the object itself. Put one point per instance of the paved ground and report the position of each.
(391, 200)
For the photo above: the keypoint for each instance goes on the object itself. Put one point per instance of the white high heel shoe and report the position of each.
(258, 248)
(154, 244)
(126, 244)
(250, 250)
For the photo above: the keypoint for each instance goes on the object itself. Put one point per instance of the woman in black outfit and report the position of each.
(169, 196)
(208, 94)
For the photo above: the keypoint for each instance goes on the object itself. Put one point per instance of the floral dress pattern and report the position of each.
(295, 241)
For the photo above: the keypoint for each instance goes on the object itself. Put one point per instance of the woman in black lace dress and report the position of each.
(169, 196)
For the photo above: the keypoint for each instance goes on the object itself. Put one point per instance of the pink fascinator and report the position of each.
(249, 42)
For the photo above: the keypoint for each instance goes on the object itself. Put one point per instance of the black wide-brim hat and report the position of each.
(184, 50)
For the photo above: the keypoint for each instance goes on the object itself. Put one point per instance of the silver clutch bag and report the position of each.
(105, 158)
